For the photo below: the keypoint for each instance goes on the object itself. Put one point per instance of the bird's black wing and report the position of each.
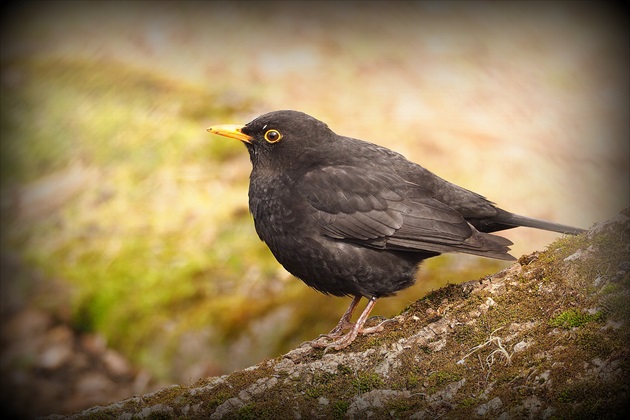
(379, 209)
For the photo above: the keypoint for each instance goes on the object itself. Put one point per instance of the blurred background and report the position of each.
(129, 259)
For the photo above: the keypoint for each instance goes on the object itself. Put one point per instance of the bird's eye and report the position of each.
(273, 136)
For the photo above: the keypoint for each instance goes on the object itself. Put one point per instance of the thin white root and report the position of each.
(490, 358)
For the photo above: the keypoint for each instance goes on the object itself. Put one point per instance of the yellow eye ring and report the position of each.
(273, 136)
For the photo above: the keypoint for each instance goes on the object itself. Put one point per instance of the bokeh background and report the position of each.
(129, 259)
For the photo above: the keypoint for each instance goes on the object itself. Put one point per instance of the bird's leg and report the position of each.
(347, 339)
(344, 322)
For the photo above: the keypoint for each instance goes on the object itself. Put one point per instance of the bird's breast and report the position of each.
(277, 208)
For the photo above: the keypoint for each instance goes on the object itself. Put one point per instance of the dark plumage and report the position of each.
(352, 218)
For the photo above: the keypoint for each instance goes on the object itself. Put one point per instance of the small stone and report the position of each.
(521, 346)
(491, 405)
(576, 255)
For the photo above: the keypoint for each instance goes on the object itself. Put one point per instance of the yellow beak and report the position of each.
(230, 130)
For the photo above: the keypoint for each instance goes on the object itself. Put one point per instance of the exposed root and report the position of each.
(499, 350)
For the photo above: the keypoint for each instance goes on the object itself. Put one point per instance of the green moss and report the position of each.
(595, 343)
(610, 288)
(412, 381)
(465, 333)
(469, 402)
(247, 412)
(438, 379)
(217, 397)
(366, 382)
(580, 400)
(344, 370)
(313, 392)
(340, 408)
(400, 406)
(572, 318)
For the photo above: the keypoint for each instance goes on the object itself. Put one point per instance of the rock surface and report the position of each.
(547, 337)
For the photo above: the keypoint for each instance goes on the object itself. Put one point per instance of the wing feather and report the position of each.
(381, 210)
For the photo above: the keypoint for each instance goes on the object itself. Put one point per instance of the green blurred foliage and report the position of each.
(104, 113)
(151, 233)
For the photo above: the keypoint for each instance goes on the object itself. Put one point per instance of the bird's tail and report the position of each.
(516, 220)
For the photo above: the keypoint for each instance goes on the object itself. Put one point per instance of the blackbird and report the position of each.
(350, 218)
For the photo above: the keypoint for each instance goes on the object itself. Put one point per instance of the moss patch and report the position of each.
(572, 318)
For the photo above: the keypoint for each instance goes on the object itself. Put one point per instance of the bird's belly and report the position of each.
(342, 268)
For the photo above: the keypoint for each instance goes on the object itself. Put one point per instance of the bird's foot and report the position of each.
(324, 339)
(330, 336)
(343, 325)
(340, 341)
(343, 341)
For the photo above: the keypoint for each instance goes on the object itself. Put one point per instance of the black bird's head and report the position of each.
(281, 139)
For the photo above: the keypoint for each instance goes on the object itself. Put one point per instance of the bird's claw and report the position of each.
(343, 341)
